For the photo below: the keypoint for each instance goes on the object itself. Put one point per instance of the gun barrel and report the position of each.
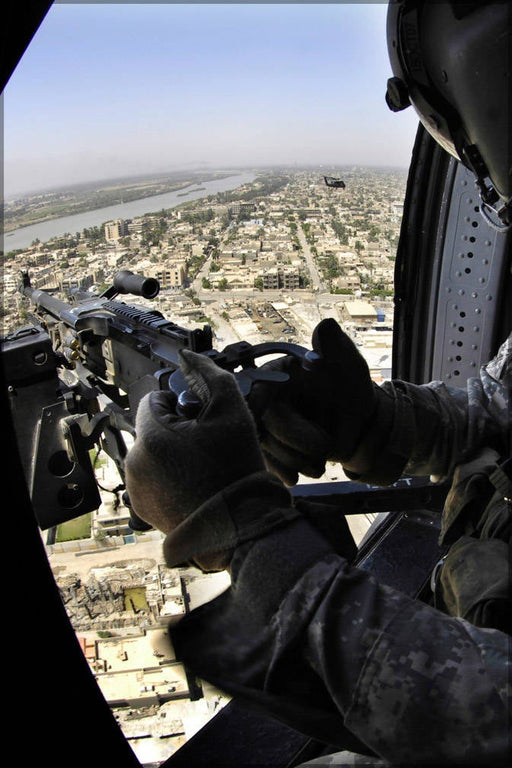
(40, 298)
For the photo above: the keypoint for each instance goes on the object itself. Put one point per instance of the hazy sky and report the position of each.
(116, 89)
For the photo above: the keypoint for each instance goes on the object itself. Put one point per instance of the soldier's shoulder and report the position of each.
(500, 367)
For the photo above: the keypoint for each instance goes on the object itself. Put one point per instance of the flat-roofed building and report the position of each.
(11, 282)
(171, 276)
(290, 278)
(359, 313)
(138, 670)
(347, 282)
(281, 277)
(270, 278)
(115, 230)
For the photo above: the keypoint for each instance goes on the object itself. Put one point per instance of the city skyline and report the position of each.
(113, 90)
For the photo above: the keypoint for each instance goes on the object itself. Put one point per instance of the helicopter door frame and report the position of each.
(452, 276)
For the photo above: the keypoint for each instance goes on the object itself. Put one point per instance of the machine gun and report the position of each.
(77, 374)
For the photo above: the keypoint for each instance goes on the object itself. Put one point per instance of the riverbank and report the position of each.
(37, 208)
(46, 230)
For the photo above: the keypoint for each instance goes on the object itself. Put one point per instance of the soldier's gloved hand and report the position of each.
(319, 414)
(176, 464)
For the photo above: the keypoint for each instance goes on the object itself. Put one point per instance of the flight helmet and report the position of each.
(451, 62)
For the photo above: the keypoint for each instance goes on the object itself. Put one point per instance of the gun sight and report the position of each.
(138, 285)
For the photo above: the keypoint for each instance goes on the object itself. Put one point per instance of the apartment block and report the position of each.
(171, 276)
(115, 230)
(281, 277)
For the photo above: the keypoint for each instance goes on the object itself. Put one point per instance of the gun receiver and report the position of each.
(77, 375)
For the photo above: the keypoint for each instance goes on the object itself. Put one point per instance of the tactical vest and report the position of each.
(473, 580)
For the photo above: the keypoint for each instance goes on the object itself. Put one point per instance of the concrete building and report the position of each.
(287, 278)
(138, 670)
(170, 275)
(270, 278)
(10, 282)
(238, 208)
(79, 282)
(347, 282)
(112, 519)
(290, 278)
(48, 276)
(135, 226)
(115, 230)
(361, 314)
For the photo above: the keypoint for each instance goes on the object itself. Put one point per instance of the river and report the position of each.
(45, 230)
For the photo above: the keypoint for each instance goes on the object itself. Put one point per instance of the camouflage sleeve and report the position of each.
(434, 427)
(414, 685)
(330, 651)
(434, 689)
(324, 647)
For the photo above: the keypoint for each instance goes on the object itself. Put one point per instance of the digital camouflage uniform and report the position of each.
(321, 645)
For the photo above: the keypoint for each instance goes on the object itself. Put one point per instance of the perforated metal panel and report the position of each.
(469, 286)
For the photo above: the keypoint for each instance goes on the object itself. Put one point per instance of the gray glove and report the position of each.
(319, 414)
(177, 465)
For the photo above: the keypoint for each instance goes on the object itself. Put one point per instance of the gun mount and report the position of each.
(76, 376)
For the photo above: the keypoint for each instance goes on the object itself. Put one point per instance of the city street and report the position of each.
(310, 262)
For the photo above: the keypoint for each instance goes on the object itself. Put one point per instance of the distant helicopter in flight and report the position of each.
(332, 181)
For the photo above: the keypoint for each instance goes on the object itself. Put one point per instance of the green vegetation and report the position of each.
(194, 264)
(88, 197)
(265, 185)
(153, 231)
(205, 320)
(198, 217)
(79, 528)
(135, 600)
(330, 266)
(381, 293)
(340, 231)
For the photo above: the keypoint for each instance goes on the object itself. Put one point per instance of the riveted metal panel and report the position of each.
(469, 286)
